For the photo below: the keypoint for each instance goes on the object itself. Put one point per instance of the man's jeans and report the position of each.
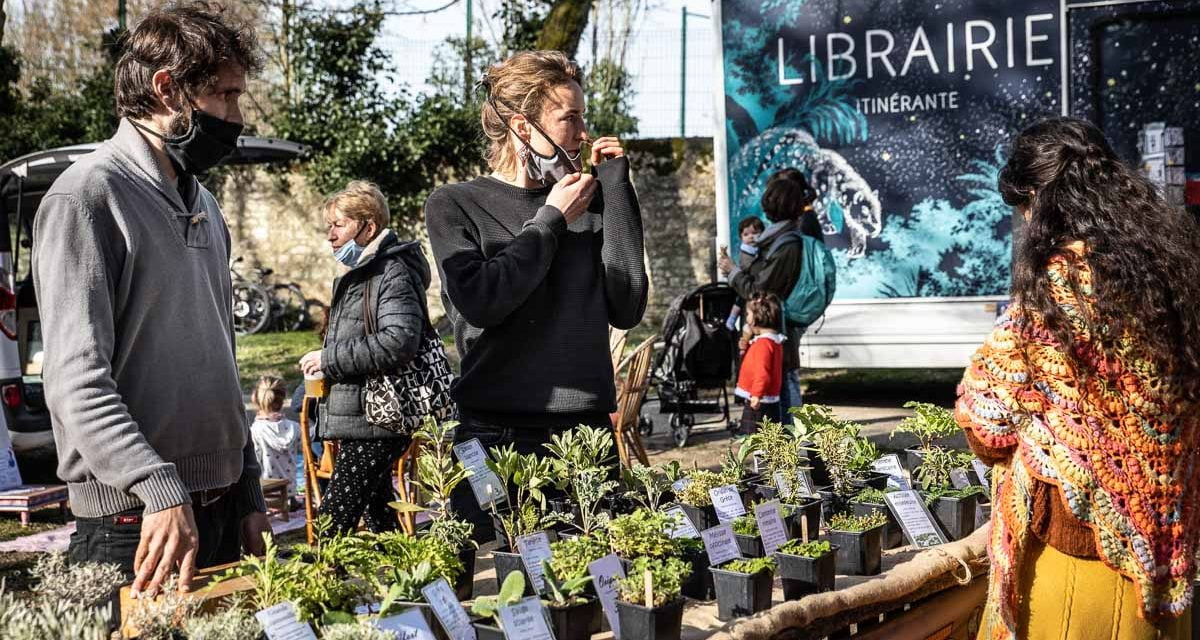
(525, 440)
(114, 539)
(789, 395)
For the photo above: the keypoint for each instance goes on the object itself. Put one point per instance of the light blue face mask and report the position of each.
(349, 253)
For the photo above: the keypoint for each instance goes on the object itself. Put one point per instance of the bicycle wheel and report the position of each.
(290, 309)
(251, 308)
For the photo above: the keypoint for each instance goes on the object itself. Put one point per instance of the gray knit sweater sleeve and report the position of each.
(76, 264)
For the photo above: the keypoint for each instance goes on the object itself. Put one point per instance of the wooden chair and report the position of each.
(616, 345)
(631, 390)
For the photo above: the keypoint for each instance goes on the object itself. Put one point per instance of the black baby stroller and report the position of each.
(698, 356)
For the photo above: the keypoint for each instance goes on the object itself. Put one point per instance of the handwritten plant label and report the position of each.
(981, 471)
(534, 548)
(916, 521)
(683, 527)
(605, 573)
(727, 502)
(781, 483)
(449, 611)
(525, 620)
(805, 484)
(484, 483)
(771, 528)
(720, 544)
(280, 623)
(680, 484)
(890, 464)
(409, 625)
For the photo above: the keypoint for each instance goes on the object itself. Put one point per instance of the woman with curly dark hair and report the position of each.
(1085, 400)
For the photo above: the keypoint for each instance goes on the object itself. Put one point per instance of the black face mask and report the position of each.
(207, 142)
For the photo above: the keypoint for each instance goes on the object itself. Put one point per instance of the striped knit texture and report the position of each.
(1120, 445)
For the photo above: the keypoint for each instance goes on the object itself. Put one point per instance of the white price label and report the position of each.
(534, 548)
(683, 527)
(605, 573)
(720, 545)
(771, 528)
(409, 625)
(525, 620)
(727, 502)
(280, 623)
(916, 521)
(449, 611)
(890, 465)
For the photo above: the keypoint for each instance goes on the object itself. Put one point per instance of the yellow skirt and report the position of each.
(1067, 598)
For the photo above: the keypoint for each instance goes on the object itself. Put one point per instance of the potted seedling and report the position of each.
(649, 605)
(745, 531)
(859, 542)
(695, 499)
(571, 612)
(645, 534)
(806, 567)
(529, 475)
(743, 586)
(808, 421)
(570, 559)
(648, 485)
(871, 500)
(581, 459)
(487, 608)
(952, 508)
(437, 474)
(862, 463)
(929, 423)
(840, 449)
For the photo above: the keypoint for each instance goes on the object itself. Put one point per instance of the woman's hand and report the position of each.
(572, 194)
(606, 148)
(724, 263)
(310, 363)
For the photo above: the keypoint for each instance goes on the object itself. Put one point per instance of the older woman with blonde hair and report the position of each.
(393, 275)
(537, 259)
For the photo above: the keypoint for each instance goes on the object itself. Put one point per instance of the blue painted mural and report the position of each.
(899, 113)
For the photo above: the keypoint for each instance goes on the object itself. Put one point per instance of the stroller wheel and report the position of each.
(645, 426)
(679, 430)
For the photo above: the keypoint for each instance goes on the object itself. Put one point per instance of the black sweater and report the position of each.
(531, 298)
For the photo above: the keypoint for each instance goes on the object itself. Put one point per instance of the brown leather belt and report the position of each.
(208, 496)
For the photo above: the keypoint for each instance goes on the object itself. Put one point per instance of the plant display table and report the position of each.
(26, 499)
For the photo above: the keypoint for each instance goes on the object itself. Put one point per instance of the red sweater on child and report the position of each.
(762, 369)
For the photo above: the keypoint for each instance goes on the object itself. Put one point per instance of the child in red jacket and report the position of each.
(761, 374)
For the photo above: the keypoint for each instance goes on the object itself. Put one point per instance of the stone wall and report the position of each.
(275, 222)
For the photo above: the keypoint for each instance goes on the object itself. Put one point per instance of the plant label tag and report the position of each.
(720, 544)
(534, 548)
(804, 483)
(484, 483)
(471, 454)
(914, 518)
(981, 470)
(605, 573)
(449, 611)
(280, 623)
(684, 527)
(959, 479)
(781, 483)
(770, 526)
(890, 464)
(409, 625)
(680, 484)
(525, 620)
(727, 502)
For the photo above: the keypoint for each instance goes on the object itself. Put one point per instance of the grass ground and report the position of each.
(273, 353)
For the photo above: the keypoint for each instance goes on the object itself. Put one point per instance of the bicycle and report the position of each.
(258, 306)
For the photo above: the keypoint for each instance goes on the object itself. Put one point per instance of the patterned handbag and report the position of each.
(400, 401)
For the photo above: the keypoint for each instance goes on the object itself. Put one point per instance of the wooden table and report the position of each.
(26, 499)
(275, 491)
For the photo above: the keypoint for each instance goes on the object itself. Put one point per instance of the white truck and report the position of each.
(901, 112)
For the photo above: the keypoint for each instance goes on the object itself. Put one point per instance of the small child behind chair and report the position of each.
(276, 439)
(761, 374)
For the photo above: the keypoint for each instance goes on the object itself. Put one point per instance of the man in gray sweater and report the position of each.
(131, 269)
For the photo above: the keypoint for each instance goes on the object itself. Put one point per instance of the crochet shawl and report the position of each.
(1120, 444)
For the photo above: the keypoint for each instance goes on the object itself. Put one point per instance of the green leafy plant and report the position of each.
(932, 495)
(511, 593)
(642, 533)
(649, 484)
(865, 453)
(810, 549)
(580, 448)
(39, 619)
(745, 525)
(857, 524)
(928, 423)
(397, 565)
(570, 558)
(871, 495)
(700, 481)
(673, 470)
(937, 463)
(563, 593)
(733, 464)
(809, 420)
(529, 474)
(437, 474)
(666, 580)
(589, 487)
(750, 566)
(454, 533)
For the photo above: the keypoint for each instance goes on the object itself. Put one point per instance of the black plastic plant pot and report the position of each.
(574, 622)
(956, 516)
(498, 525)
(802, 575)
(860, 553)
(871, 479)
(741, 594)
(485, 630)
(464, 584)
(644, 623)
(508, 562)
(562, 505)
(619, 505)
(766, 491)
(893, 535)
(750, 546)
(805, 509)
(699, 583)
(831, 503)
(817, 471)
(702, 517)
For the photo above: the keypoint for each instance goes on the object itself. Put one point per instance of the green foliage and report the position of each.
(511, 593)
(642, 533)
(233, 622)
(580, 460)
(931, 495)
(437, 474)
(570, 558)
(871, 495)
(750, 566)
(406, 585)
(666, 580)
(810, 549)
(745, 525)
(529, 474)
(649, 484)
(609, 92)
(701, 480)
(937, 463)
(808, 420)
(563, 593)
(86, 583)
(846, 454)
(852, 523)
(355, 630)
(40, 619)
(397, 564)
(929, 423)
(865, 454)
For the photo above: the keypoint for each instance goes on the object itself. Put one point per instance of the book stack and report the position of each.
(1162, 150)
